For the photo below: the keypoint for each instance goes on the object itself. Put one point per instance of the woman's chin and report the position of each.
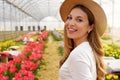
(71, 37)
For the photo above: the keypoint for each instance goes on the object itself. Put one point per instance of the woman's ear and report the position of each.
(91, 28)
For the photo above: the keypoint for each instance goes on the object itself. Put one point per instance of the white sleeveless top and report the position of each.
(80, 65)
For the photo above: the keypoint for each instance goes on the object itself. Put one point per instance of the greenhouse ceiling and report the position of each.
(36, 9)
(18, 10)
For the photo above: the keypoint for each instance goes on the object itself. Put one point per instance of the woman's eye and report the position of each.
(79, 20)
(69, 18)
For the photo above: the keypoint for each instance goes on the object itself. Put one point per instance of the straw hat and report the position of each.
(100, 17)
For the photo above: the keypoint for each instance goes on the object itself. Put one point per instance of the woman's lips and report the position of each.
(71, 30)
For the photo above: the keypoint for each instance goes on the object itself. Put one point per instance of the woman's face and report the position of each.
(77, 25)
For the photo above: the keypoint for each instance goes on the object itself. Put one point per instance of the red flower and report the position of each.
(4, 53)
(16, 59)
(24, 75)
(28, 65)
(3, 68)
(4, 77)
(25, 65)
(13, 69)
(35, 57)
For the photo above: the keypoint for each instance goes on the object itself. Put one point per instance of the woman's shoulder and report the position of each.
(82, 51)
(83, 47)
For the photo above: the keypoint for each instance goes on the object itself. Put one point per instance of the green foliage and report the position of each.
(57, 36)
(112, 50)
(36, 70)
(106, 37)
(42, 62)
(6, 44)
(61, 51)
(18, 66)
(7, 73)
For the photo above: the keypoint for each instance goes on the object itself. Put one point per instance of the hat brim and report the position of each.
(98, 12)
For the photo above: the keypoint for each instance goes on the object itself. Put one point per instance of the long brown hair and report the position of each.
(94, 41)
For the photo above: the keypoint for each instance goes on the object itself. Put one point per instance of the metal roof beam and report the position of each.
(22, 10)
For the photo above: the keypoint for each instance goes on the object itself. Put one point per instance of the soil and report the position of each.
(51, 56)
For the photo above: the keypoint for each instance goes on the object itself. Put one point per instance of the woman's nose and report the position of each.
(72, 22)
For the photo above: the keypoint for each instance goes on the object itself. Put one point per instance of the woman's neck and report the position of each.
(79, 41)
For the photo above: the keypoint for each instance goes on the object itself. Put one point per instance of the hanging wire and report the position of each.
(11, 20)
(113, 13)
(25, 21)
(22, 19)
(22, 22)
(16, 28)
(16, 23)
(4, 23)
(19, 21)
(49, 7)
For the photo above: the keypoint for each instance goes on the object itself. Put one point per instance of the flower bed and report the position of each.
(111, 76)
(57, 36)
(61, 48)
(24, 66)
(112, 50)
(5, 45)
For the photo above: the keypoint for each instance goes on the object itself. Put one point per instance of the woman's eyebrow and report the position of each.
(69, 15)
(80, 17)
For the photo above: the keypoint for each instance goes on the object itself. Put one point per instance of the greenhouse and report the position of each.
(32, 39)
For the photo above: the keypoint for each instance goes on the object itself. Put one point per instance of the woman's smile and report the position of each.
(71, 30)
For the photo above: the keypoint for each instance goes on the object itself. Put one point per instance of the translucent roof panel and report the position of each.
(38, 9)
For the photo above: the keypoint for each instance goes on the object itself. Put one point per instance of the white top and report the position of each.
(80, 65)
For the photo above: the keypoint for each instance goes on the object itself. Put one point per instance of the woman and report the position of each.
(85, 22)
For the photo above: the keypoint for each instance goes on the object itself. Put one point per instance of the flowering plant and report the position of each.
(57, 35)
(43, 35)
(24, 66)
(111, 77)
(112, 50)
(6, 45)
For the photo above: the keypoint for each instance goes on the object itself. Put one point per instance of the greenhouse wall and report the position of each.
(7, 26)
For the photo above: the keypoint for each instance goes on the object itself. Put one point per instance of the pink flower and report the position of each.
(24, 75)
(28, 65)
(4, 53)
(43, 35)
(16, 59)
(3, 68)
(13, 69)
(35, 57)
(4, 77)
(22, 56)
